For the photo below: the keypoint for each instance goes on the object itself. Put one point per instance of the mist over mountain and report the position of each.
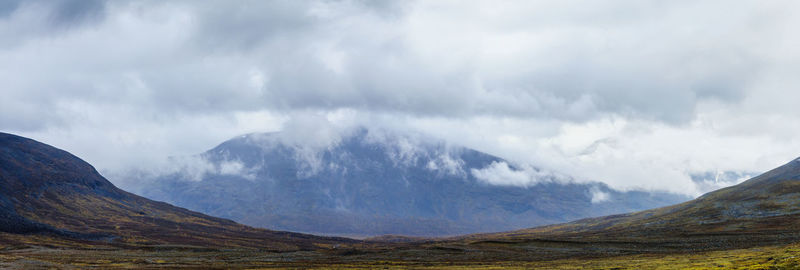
(51, 197)
(710, 181)
(759, 211)
(373, 181)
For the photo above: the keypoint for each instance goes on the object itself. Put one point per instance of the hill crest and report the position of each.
(49, 191)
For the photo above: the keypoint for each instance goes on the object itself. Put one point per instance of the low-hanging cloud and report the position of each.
(447, 164)
(599, 196)
(500, 173)
(621, 92)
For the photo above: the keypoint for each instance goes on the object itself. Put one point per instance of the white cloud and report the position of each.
(639, 95)
(235, 167)
(599, 196)
(500, 173)
(710, 181)
(447, 164)
(194, 168)
(626, 154)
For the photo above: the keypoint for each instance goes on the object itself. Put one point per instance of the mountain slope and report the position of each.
(372, 182)
(47, 191)
(762, 210)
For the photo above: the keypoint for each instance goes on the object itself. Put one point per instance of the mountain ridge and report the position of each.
(380, 182)
(47, 191)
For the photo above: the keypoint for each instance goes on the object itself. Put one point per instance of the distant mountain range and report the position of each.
(50, 197)
(373, 182)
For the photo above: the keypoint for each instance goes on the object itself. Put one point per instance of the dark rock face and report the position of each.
(45, 190)
(381, 183)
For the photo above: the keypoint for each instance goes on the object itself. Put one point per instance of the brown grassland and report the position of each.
(771, 257)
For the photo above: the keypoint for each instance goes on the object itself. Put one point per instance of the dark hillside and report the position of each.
(49, 191)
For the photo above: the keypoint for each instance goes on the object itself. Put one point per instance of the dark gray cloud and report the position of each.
(8, 7)
(70, 12)
(248, 25)
(345, 54)
(59, 13)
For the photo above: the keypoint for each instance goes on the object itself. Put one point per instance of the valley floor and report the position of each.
(771, 257)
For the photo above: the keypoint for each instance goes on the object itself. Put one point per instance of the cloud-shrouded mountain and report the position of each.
(48, 192)
(373, 181)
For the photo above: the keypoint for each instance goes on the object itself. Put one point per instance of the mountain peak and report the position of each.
(376, 181)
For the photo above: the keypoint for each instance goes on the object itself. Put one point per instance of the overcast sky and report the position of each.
(637, 94)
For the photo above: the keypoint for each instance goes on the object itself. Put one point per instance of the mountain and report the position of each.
(373, 182)
(763, 210)
(713, 180)
(47, 192)
(50, 198)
